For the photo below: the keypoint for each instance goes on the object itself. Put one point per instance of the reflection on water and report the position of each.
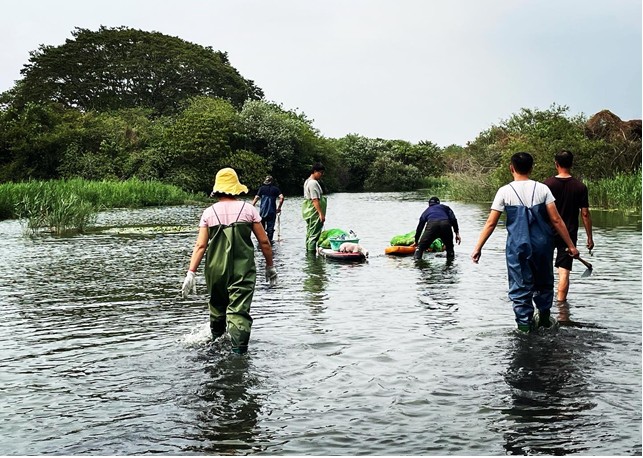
(438, 277)
(564, 316)
(101, 356)
(227, 407)
(315, 282)
(549, 393)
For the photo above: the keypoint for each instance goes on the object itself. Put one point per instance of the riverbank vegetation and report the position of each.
(143, 126)
(61, 206)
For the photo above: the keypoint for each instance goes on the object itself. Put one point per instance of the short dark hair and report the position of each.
(522, 162)
(318, 167)
(565, 159)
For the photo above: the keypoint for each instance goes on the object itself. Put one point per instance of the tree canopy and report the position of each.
(116, 68)
(119, 103)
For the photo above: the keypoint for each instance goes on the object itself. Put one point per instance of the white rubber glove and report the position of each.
(271, 276)
(189, 284)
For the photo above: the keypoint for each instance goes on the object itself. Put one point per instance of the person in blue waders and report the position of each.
(230, 272)
(267, 195)
(531, 214)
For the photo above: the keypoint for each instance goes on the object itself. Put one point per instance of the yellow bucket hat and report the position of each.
(227, 182)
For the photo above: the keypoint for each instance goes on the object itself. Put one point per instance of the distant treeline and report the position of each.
(119, 104)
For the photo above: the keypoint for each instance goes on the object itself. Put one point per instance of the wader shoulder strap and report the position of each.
(215, 214)
(533, 194)
(239, 215)
(517, 195)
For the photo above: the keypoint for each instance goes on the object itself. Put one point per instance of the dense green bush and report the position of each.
(388, 174)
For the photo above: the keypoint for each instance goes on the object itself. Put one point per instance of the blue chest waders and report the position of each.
(530, 252)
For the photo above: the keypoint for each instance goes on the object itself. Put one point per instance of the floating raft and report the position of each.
(403, 250)
(399, 250)
(340, 256)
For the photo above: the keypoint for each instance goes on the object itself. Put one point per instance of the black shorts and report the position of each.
(563, 259)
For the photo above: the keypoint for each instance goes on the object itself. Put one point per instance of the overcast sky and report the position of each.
(442, 71)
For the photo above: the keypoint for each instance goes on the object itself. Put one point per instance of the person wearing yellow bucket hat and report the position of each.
(230, 273)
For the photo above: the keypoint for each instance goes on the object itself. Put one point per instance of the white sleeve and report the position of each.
(499, 201)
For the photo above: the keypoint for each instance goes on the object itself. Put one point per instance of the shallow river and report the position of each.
(101, 356)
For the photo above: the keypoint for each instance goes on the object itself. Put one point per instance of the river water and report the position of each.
(389, 357)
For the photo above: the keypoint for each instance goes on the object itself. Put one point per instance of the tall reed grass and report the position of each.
(622, 192)
(470, 187)
(439, 186)
(71, 205)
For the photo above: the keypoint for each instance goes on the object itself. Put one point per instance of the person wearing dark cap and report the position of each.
(436, 223)
(268, 194)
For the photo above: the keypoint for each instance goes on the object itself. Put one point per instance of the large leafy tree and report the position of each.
(32, 140)
(198, 142)
(357, 154)
(115, 68)
(286, 140)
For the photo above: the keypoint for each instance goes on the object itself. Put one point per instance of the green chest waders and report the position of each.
(230, 275)
(314, 224)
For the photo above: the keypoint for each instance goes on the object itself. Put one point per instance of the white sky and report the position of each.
(442, 71)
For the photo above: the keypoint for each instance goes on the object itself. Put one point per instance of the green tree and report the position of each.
(115, 68)
(389, 174)
(357, 155)
(285, 139)
(199, 142)
(32, 140)
(102, 145)
(541, 133)
(425, 156)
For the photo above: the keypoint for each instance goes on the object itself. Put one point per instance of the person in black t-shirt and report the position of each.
(571, 197)
(268, 193)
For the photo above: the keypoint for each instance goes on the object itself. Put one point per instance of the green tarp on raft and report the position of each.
(409, 238)
(324, 238)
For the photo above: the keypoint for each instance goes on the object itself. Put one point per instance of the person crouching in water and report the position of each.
(436, 223)
(230, 272)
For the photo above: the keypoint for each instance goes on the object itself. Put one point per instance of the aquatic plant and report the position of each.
(56, 210)
(622, 191)
(472, 187)
(63, 205)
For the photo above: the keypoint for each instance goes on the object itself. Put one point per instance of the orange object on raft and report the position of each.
(402, 250)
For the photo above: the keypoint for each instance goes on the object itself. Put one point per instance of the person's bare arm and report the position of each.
(281, 202)
(559, 225)
(586, 217)
(487, 230)
(317, 206)
(254, 201)
(264, 243)
(199, 248)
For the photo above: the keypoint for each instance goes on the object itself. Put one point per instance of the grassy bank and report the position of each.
(622, 192)
(71, 205)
